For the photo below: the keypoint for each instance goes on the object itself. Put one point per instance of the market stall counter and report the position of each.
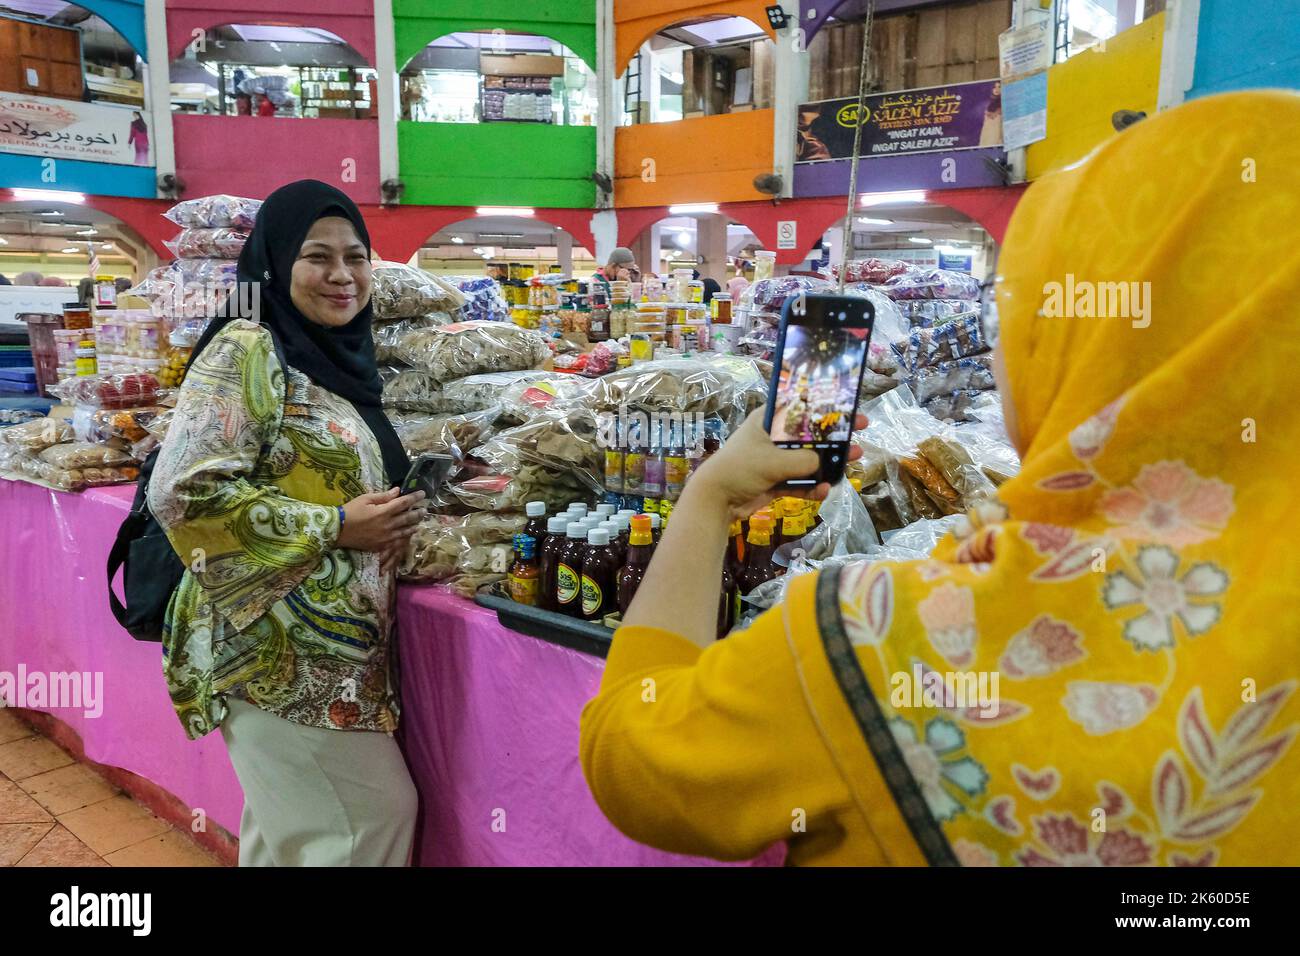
(490, 721)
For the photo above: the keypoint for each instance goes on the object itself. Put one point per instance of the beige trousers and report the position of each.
(316, 797)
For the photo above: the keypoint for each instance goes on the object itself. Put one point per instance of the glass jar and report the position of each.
(764, 265)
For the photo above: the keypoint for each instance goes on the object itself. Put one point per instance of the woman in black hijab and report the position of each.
(277, 486)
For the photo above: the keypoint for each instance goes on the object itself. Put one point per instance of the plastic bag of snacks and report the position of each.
(954, 406)
(446, 545)
(208, 243)
(671, 385)
(469, 348)
(872, 270)
(215, 212)
(770, 295)
(932, 284)
(564, 441)
(455, 435)
(967, 374)
(414, 390)
(519, 394)
(84, 454)
(74, 479)
(483, 298)
(928, 312)
(36, 435)
(497, 492)
(399, 291)
(388, 336)
(109, 391)
(961, 338)
(126, 424)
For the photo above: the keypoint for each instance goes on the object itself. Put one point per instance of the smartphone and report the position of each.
(812, 402)
(427, 474)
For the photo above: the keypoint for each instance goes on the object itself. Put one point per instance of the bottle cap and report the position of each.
(557, 524)
(579, 506)
(575, 530)
(525, 545)
(734, 530)
(604, 510)
(626, 512)
(622, 522)
(655, 521)
(642, 533)
(857, 484)
(535, 509)
(598, 537)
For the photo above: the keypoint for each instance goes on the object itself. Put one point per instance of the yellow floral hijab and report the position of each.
(1138, 598)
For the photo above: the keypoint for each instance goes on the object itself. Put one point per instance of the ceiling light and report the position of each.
(920, 242)
(107, 245)
(693, 207)
(867, 221)
(71, 249)
(886, 199)
(3, 241)
(88, 232)
(458, 240)
(49, 212)
(49, 195)
(684, 239)
(505, 211)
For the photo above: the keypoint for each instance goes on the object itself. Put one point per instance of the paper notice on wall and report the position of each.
(1024, 111)
(1026, 49)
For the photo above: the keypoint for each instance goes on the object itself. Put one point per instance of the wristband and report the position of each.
(341, 517)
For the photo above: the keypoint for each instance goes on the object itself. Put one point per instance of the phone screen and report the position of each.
(427, 474)
(820, 358)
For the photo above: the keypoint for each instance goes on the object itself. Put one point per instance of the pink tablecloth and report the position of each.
(490, 726)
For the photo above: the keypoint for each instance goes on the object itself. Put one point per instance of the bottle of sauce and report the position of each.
(653, 486)
(640, 550)
(549, 560)
(758, 554)
(735, 549)
(536, 526)
(599, 576)
(656, 526)
(792, 526)
(676, 465)
(728, 602)
(616, 544)
(525, 574)
(634, 461)
(568, 571)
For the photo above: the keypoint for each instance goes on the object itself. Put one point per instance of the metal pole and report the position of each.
(847, 243)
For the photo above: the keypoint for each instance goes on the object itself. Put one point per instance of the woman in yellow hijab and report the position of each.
(1132, 597)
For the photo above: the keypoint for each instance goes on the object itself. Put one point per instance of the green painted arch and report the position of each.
(417, 23)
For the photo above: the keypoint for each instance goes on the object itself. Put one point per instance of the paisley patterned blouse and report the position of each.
(247, 486)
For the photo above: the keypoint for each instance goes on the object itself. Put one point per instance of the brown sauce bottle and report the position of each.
(568, 570)
(640, 548)
(599, 576)
(549, 558)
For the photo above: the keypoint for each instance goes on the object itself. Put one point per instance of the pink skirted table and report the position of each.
(490, 721)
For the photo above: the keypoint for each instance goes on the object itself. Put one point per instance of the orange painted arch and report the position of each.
(636, 21)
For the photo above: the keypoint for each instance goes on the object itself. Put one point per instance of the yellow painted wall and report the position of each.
(1086, 89)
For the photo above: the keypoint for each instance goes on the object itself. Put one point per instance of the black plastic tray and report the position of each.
(549, 626)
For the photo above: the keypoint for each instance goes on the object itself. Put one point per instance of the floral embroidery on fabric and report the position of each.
(1001, 812)
(974, 854)
(1104, 707)
(1067, 842)
(1165, 597)
(868, 621)
(1044, 647)
(1047, 538)
(1040, 786)
(1171, 504)
(1088, 439)
(937, 767)
(948, 614)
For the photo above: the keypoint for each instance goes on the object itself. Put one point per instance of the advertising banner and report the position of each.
(68, 129)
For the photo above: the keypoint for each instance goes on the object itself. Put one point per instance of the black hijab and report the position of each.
(340, 359)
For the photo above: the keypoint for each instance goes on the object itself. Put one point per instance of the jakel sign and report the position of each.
(69, 129)
(938, 118)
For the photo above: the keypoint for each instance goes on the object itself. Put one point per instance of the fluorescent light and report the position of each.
(683, 239)
(458, 240)
(71, 249)
(693, 207)
(886, 199)
(107, 245)
(920, 242)
(505, 211)
(87, 232)
(3, 241)
(49, 195)
(866, 221)
(49, 212)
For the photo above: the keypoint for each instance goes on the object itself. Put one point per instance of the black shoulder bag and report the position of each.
(153, 570)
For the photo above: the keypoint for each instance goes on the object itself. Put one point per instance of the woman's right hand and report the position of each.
(380, 522)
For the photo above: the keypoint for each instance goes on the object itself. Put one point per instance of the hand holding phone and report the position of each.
(812, 402)
(427, 474)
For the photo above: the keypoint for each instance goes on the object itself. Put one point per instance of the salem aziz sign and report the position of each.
(957, 116)
(66, 129)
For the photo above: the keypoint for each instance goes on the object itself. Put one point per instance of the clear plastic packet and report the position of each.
(127, 425)
(924, 313)
(603, 359)
(35, 435)
(889, 324)
(875, 384)
(172, 298)
(399, 291)
(954, 462)
(896, 423)
(445, 545)
(158, 425)
(470, 348)
(872, 270)
(961, 338)
(84, 454)
(215, 212)
(562, 441)
(974, 374)
(499, 492)
(932, 284)
(846, 526)
(770, 295)
(224, 271)
(886, 505)
(483, 299)
(467, 585)
(109, 391)
(413, 390)
(683, 385)
(455, 435)
(523, 395)
(75, 479)
(208, 243)
(937, 488)
(953, 406)
(918, 540)
(388, 336)
(185, 333)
